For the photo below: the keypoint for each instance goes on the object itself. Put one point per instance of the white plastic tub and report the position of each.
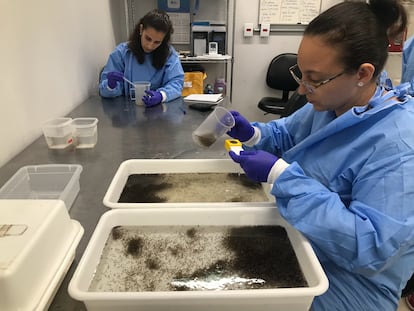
(293, 299)
(58, 133)
(38, 241)
(48, 181)
(164, 166)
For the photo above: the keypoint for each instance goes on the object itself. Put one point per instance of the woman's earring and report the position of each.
(360, 83)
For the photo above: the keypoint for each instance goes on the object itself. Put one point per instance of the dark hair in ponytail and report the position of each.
(361, 31)
(160, 21)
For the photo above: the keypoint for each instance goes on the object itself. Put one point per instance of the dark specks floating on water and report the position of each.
(191, 233)
(181, 258)
(263, 258)
(191, 187)
(134, 246)
(205, 140)
(152, 263)
(117, 232)
(144, 188)
(244, 181)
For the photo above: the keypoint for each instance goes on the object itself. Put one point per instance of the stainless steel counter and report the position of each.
(125, 131)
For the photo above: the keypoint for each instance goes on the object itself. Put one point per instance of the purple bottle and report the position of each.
(220, 86)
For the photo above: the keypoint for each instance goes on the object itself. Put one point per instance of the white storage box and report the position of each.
(211, 190)
(38, 241)
(293, 299)
(48, 181)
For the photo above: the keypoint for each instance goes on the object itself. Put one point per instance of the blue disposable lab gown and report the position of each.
(408, 60)
(349, 189)
(169, 79)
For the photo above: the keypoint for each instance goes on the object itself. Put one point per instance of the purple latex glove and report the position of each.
(242, 129)
(152, 98)
(256, 164)
(114, 77)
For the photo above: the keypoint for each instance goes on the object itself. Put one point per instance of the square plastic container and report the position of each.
(48, 181)
(294, 299)
(58, 133)
(138, 91)
(38, 241)
(165, 166)
(85, 132)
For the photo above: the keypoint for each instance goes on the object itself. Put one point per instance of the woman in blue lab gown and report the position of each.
(407, 72)
(147, 56)
(342, 167)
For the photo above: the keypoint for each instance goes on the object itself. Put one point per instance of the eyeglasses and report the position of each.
(310, 87)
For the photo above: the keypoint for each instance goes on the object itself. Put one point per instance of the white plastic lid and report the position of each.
(37, 244)
(14, 218)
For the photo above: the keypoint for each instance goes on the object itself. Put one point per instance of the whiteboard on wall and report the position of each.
(181, 23)
(288, 11)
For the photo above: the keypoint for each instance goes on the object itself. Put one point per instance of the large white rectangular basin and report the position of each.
(172, 166)
(293, 299)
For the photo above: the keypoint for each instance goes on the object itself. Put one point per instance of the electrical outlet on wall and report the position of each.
(264, 30)
(248, 29)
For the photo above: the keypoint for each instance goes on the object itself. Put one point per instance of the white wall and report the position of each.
(51, 54)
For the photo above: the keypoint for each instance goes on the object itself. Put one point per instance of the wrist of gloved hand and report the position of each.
(257, 164)
(112, 84)
(152, 98)
(277, 169)
(254, 139)
(242, 129)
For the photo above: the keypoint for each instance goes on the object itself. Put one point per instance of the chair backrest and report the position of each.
(278, 76)
(295, 102)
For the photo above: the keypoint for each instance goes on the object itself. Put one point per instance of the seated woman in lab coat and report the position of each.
(342, 166)
(147, 56)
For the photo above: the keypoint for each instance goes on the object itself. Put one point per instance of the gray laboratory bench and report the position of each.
(125, 131)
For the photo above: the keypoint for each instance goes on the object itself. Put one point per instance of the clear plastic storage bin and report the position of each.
(48, 181)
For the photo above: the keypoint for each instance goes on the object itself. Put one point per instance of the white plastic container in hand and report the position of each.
(138, 91)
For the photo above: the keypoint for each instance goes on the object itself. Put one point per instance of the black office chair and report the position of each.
(278, 77)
